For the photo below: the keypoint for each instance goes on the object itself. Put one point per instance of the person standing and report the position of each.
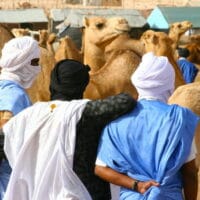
(188, 69)
(52, 146)
(150, 152)
(19, 68)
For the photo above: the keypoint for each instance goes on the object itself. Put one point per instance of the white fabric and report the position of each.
(41, 152)
(16, 59)
(193, 152)
(154, 77)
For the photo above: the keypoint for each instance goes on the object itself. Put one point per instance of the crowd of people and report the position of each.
(75, 148)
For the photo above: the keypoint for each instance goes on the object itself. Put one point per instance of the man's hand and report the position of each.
(142, 187)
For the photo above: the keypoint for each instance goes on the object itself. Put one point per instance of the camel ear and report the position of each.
(85, 22)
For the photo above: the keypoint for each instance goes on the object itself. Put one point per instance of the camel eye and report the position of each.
(100, 25)
(179, 26)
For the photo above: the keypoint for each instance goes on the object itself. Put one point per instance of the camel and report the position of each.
(47, 40)
(161, 44)
(18, 32)
(176, 30)
(194, 48)
(101, 36)
(39, 91)
(67, 49)
(122, 55)
(112, 55)
(6, 35)
(192, 42)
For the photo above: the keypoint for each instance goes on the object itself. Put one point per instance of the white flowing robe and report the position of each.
(39, 144)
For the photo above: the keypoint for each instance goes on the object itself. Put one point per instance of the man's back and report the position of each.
(151, 142)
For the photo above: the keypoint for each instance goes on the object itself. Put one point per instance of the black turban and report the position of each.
(68, 80)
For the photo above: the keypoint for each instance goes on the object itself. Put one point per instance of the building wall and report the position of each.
(48, 4)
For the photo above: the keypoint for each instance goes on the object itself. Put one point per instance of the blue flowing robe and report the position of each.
(13, 98)
(151, 142)
(188, 70)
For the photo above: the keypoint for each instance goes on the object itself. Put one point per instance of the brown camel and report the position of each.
(194, 48)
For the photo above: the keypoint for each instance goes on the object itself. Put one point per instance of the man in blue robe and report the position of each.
(187, 68)
(150, 152)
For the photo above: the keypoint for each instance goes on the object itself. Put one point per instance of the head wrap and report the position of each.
(68, 80)
(154, 78)
(183, 52)
(16, 58)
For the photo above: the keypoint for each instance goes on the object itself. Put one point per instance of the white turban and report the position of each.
(154, 78)
(16, 58)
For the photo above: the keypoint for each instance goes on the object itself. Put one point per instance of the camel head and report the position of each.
(43, 37)
(157, 42)
(179, 28)
(99, 30)
(19, 32)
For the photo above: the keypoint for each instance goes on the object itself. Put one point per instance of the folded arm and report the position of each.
(123, 180)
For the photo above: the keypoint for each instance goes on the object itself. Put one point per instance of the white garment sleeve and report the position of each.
(100, 163)
(193, 152)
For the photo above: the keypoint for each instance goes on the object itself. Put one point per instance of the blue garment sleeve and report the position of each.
(13, 98)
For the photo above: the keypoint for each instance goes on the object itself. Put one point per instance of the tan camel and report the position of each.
(47, 40)
(112, 55)
(114, 76)
(67, 49)
(161, 45)
(19, 32)
(40, 88)
(101, 36)
(116, 52)
(176, 30)
(6, 35)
